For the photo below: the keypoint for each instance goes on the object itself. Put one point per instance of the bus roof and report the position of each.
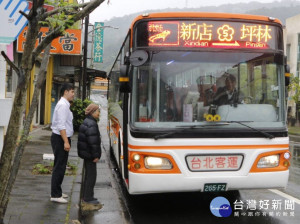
(204, 15)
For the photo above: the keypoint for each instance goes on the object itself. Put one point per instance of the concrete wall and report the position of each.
(1, 139)
(2, 90)
(5, 110)
(5, 104)
(2, 72)
(61, 70)
(291, 38)
(292, 31)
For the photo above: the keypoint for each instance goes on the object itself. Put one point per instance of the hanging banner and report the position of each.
(98, 42)
(12, 22)
(69, 44)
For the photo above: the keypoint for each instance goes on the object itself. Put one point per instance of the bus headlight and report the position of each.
(287, 155)
(136, 157)
(268, 161)
(159, 163)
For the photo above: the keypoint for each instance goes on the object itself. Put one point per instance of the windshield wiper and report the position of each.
(184, 128)
(254, 129)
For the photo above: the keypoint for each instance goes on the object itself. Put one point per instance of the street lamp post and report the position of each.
(84, 75)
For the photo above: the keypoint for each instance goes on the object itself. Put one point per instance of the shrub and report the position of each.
(78, 108)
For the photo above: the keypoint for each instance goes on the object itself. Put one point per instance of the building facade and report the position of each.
(61, 68)
(5, 101)
(100, 86)
(292, 51)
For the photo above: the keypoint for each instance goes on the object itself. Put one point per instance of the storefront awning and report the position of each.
(92, 73)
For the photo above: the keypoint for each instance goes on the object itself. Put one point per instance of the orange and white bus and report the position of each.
(197, 103)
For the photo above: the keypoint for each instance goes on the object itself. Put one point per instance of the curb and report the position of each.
(74, 202)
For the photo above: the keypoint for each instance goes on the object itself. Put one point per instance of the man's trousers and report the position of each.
(60, 164)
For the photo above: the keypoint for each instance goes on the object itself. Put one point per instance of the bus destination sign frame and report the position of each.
(207, 34)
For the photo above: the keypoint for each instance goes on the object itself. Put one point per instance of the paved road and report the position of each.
(180, 208)
(272, 206)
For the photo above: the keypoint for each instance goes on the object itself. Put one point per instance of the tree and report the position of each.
(294, 93)
(294, 87)
(59, 19)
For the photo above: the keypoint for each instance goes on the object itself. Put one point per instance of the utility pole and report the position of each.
(84, 72)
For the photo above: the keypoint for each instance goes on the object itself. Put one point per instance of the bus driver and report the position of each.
(228, 94)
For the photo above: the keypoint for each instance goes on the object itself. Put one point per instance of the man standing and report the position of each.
(62, 130)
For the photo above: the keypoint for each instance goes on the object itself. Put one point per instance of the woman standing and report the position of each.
(89, 149)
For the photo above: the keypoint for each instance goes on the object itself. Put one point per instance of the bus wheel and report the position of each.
(111, 150)
(110, 146)
(119, 154)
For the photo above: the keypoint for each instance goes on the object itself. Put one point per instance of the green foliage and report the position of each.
(295, 88)
(64, 17)
(72, 166)
(71, 169)
(41, 169)
(78, 108)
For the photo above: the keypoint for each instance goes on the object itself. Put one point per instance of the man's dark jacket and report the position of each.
(89, 141)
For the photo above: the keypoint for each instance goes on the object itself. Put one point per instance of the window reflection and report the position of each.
(183, 87)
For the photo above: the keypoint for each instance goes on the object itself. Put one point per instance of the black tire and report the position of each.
(119, 154)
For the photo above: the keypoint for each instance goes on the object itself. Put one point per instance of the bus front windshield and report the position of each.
(180, 88)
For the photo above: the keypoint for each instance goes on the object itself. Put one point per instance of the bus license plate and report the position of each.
(214, 187)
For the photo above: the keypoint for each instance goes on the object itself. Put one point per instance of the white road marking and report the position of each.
(296, 200)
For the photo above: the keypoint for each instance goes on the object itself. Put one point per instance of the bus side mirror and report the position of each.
(287, 75)
(138, 58)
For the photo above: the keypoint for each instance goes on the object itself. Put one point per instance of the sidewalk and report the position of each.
(30, 198)
(106, 189)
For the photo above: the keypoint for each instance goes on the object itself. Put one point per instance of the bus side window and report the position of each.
(114, 86)
(115, 96)
(121, 100)
(143, 95)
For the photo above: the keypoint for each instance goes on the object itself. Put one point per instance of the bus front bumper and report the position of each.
(163, 183)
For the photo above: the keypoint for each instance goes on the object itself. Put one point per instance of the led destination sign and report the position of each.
(206, 34)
